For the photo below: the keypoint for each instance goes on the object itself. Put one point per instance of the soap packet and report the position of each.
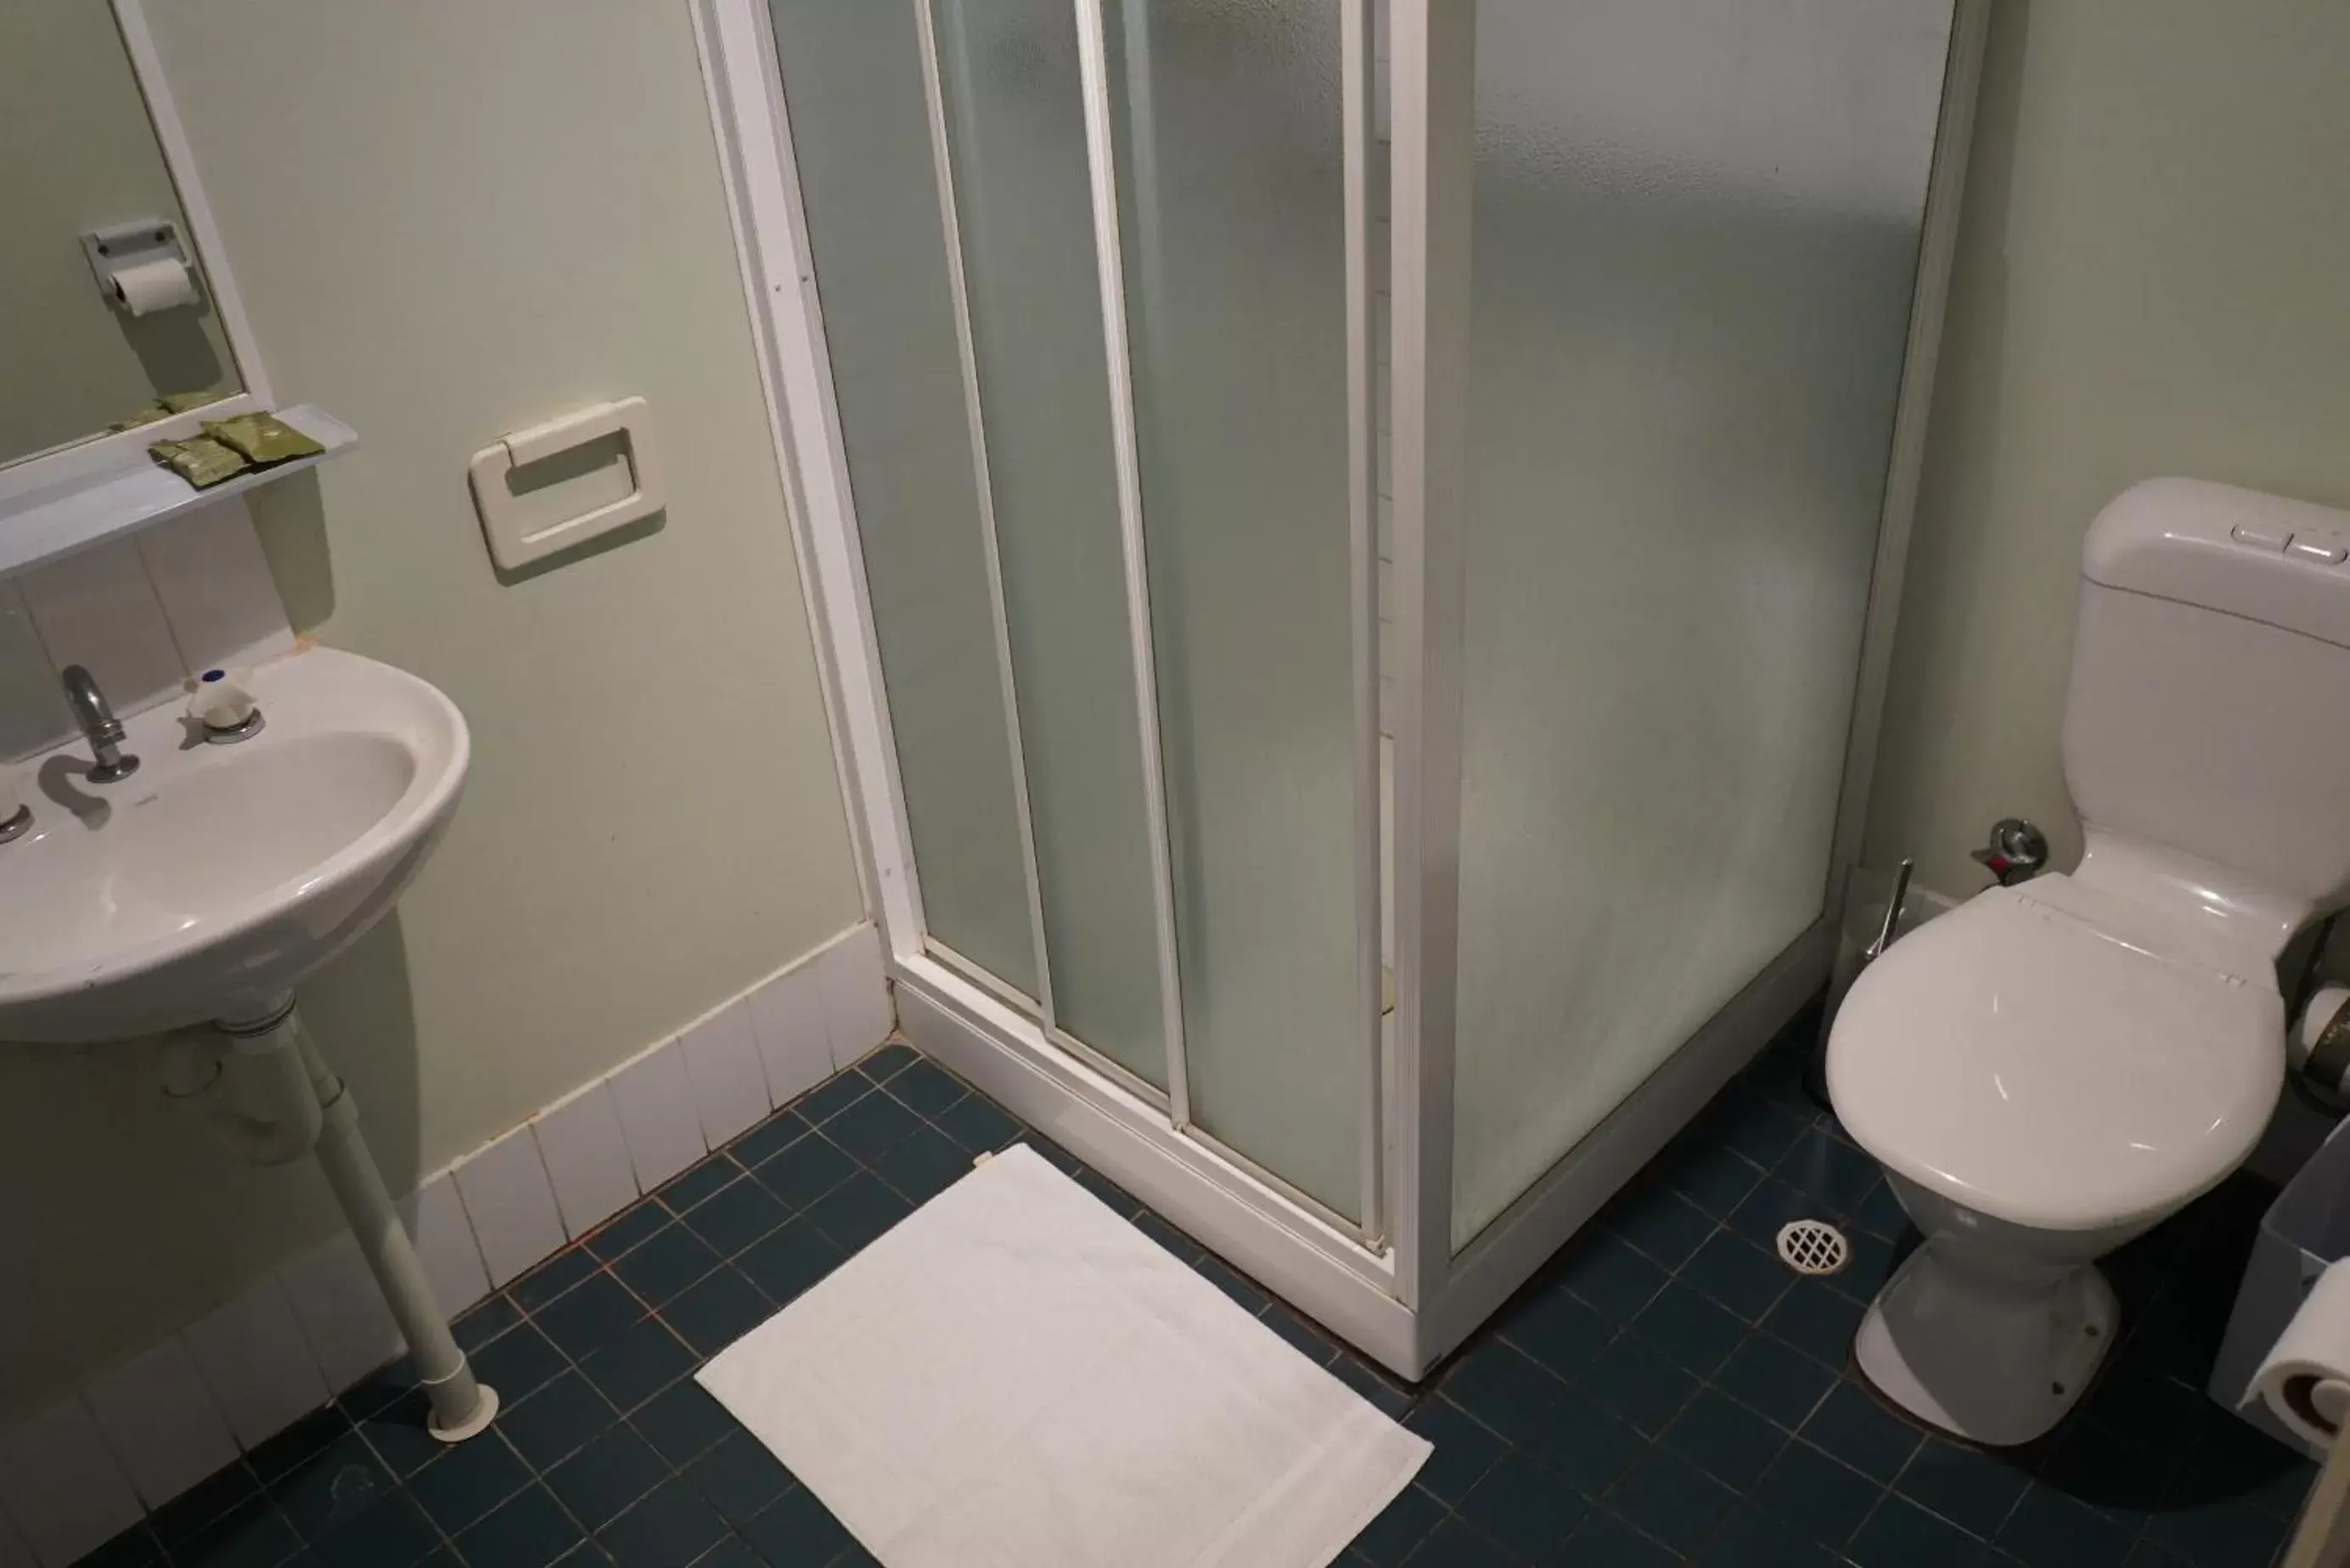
(168, 406)
(264, 439)
(201, 461)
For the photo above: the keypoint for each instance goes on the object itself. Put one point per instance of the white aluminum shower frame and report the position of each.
(1391, 1284)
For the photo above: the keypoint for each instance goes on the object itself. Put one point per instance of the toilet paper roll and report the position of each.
(2305, 1376)
(148, 286)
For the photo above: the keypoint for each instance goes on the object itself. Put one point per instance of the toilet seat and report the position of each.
(2053, 1058)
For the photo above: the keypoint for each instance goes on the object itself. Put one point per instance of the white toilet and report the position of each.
(2050, 1069)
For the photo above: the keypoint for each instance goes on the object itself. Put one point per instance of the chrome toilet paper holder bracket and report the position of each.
(117, 247)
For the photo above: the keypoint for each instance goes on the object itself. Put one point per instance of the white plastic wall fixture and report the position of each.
(513, 539)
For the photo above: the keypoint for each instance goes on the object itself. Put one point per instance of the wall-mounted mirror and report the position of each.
(81, 156)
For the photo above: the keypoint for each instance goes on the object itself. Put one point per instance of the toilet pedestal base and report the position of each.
(1996, 1360)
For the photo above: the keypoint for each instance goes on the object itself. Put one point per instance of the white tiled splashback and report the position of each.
(143, 614)
(77, 1474)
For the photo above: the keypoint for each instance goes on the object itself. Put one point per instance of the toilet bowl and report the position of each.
(2052, 1069)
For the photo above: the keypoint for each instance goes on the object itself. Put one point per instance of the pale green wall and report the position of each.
(448, 218)
(2153, 278)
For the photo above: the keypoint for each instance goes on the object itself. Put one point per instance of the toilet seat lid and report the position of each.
(2035, 1058)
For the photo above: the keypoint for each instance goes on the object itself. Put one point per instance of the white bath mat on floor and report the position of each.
(1015, 1377)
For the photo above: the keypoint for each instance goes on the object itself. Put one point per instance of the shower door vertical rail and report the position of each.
(1093, 63)
(1357, 96)
(1435, 86)
(934, 100)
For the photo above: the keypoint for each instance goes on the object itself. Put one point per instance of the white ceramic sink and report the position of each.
(215, 878)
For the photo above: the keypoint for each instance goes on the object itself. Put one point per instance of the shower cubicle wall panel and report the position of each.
(867, 172)
(1694, 234)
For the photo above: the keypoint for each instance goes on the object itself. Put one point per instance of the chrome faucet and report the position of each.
(100, 726)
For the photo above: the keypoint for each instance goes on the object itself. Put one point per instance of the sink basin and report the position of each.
(214, 879)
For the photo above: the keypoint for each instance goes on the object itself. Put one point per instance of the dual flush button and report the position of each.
(2322, 549)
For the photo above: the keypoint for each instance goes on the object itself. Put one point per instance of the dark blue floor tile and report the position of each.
(884, 1061)
(379, 1388)
(625, 1231)
(594, 1314)
(1505, 1390)
(1520, 1504)
(977, 1122)
(1391, 1397)
(1974, 1490)
(2049, 1529)
(1666, 1497)
(1782, 1382)
(699, 1182)
(476, 1327)
(400, 1436)
(1230, 1281)
(468, 1480)
(205, 1501)
(1823, 1499)
(1851, 1426)
(656, 1272)
(669, 1527)
(1693, 1330)
(1747, 1123)
(832, 1096)
(736, 1217)
(682, 1421)
(518, 1363)
(729, 1554)
(1403, 1524)
(328, 1488)
(926, 1088)
(2140, 1406)
(1869, 1263)
(597, 1483)
(805, 1171)
(1635, 1382)
(1298, 1334)
(1770, 1205)
(1465, 1448)
(529, 1529)
(768, 1139)
(253, 1534)
(1555, 1329)
(1737, 1274)
(134, 1548)
(789, 1261)
(1752, 1537)
(642, 1362)
(1831, 1174)
(797, 1531)
(1817, 1321)
(1880, 1212)
(1456, 1545)
(1725, 1440)
(739, 1477)
(557, 1421)
(1900, 1534)
(1610, 1276)
(586, 1555)
(1174, 1242)
(923, 1165)
(1114, 1198)
(715, 1313)
(1607, 1542)
(392, 1533)
(1713, 1177)
(857, 1211)
(2226, 1533)
(1584, 1447)
(274, 1456)
(1662, 1224)
(871, 1127)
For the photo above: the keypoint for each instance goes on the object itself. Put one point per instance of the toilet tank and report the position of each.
(2209, 703)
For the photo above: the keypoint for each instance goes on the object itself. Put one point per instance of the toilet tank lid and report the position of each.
(2185, 539)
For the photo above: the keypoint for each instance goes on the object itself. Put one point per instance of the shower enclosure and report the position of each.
(1353, 557)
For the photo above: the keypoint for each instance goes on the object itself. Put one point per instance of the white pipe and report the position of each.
(306, 1109)
(461, 1405)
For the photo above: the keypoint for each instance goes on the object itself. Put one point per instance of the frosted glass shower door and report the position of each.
(1694, 231)
(1230, 160)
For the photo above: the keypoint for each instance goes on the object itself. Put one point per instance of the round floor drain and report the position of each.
(1813, 1246)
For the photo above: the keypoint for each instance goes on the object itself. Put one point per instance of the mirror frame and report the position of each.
(97, 457)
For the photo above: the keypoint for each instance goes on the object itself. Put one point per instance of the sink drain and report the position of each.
(1813, 1246)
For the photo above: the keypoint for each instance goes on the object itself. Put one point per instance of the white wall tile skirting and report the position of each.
(77, 1474)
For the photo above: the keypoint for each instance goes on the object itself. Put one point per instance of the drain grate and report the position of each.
(1813, 1246)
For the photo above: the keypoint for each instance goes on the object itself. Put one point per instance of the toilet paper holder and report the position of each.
(117, 247)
